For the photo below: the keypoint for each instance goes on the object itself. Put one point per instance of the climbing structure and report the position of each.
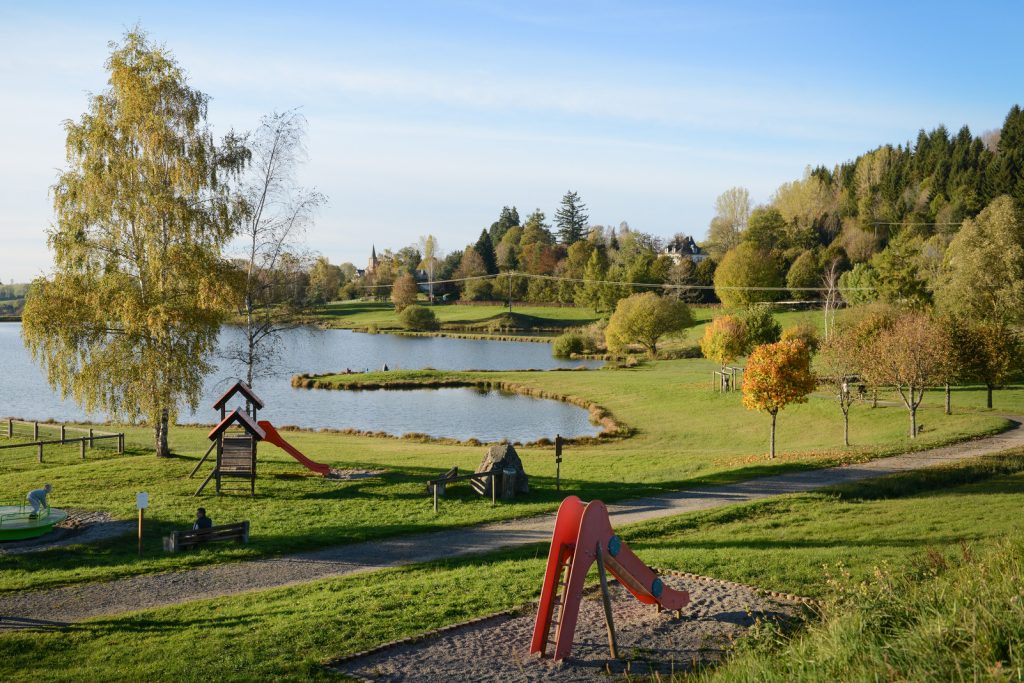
(583, 534)
(235, 439)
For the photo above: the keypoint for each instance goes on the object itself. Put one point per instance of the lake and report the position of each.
(454, 413)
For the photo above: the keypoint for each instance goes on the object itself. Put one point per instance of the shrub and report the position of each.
(418, 318)
(567, 344)
(805, 332)
(760, 325)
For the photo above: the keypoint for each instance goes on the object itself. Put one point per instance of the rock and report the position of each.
(499, 457)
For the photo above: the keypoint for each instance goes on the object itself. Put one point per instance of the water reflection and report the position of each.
(454, 413)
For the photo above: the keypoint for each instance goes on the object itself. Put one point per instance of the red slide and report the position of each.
(273, 437)
(582, 530)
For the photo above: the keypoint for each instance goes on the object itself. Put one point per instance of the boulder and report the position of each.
(500, 457)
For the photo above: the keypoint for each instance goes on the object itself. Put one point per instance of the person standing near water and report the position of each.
(37, 499)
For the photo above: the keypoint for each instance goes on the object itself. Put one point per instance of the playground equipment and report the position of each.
(235, 439)
(583, 534)
(16, 522)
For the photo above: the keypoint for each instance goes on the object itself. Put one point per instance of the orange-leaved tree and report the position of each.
(724, 340)
(776, 375)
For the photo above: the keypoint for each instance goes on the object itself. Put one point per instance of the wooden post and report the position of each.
(606, 599)
(494, 490)
(35, 431)
(120, 442)
(558, 462)
(142, 513)
(39, 456)
(10, 428)
(81, 447)
(433, 487)
(62, 435)
(91, 444)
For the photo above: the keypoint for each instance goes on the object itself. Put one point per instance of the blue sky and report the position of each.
(430, 116)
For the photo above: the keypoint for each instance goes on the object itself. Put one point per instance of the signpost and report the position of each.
(141, 502)
(558, 462)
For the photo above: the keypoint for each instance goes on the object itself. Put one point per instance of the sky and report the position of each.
(428, 117)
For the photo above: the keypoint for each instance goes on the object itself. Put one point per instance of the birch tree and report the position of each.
(129, 317)
(277, 213)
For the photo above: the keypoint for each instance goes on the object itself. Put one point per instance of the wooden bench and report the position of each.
(180, 540)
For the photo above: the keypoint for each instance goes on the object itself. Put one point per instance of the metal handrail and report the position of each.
(24, 510)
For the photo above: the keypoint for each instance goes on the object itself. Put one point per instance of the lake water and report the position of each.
(454, 413)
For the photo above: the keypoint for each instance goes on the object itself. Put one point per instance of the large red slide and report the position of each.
(582, 530)
(273, 437)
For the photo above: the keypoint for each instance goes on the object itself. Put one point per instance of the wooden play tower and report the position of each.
(234, 439)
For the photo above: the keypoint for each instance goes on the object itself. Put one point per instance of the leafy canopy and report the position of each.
(138, 294)
(644, 319)
(776, 375)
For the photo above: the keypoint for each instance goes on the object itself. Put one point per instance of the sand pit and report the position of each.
(495, 648)
(349, 474)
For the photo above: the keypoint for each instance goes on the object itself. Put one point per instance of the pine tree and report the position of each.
(485, 248)
(571, 219)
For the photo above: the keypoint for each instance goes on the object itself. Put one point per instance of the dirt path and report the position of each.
(76, 603)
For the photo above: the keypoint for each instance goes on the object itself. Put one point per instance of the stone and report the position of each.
(498, 458)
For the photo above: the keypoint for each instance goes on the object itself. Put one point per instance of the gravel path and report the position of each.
(495, 649)
(76, 603)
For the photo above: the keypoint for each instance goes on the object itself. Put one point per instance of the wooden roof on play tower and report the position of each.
(242, 418)
(242, 388)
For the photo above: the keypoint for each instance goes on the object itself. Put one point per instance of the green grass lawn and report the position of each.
(684, 434)
(793, 543)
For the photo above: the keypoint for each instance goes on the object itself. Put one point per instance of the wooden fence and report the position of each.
(90, 437)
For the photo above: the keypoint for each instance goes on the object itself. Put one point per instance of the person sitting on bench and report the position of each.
(202, 521)
(37, 499)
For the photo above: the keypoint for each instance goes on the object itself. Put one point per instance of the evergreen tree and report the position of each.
(508, 219)
(571, 219)
(485, 248)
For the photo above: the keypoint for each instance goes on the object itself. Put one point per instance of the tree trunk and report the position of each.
(949, 401)
(162, 451)
(771, 452)
(846, 427)
(913, 423)
(989, 387)
(874, 398)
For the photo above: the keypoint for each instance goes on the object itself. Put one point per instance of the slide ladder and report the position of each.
(580, 529)
(273, 437)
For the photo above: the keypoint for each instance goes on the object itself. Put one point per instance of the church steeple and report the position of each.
(372, 265)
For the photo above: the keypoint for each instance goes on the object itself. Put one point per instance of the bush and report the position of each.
(567, 344)
(804, 332)
(760, 325)
(418, 318)
(644, 319)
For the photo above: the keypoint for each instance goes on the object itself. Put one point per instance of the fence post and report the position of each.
(62, 435)
(91, 444)
(10, 428)
(494, 490)
(120, 443)
(35, 431)
(81, 447)
(39, 456)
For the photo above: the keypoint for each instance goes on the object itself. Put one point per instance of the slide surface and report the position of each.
(581, 531)
(276, 439)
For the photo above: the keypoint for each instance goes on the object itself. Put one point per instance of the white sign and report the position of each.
(142, 500)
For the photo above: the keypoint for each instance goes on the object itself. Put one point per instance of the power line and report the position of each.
(619, 283)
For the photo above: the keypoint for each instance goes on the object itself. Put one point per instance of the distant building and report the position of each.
(373, 262)
(683, 247)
